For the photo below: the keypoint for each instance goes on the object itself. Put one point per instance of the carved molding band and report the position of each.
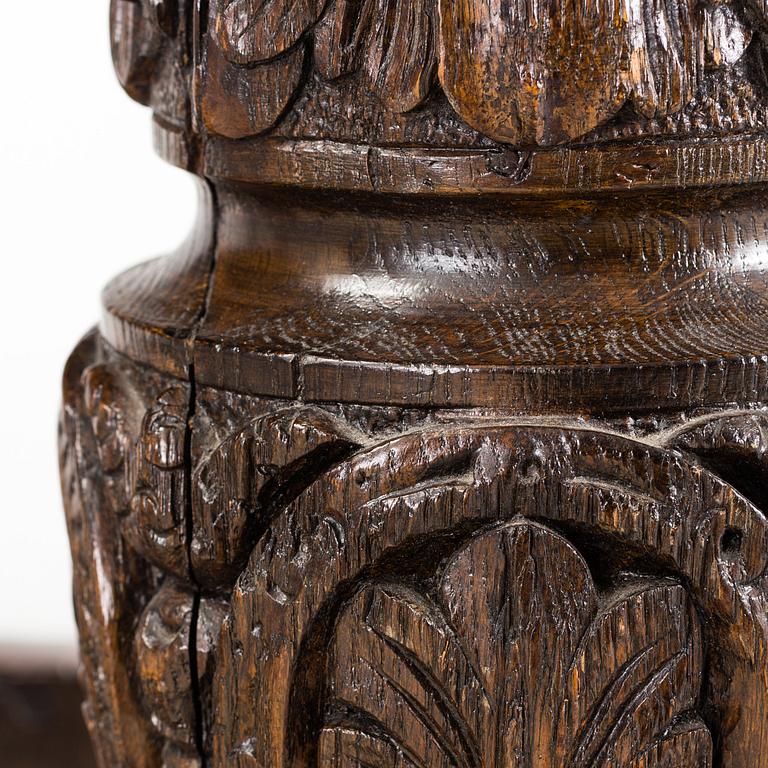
(363, 478)
(437, 75)
(501, 68)
(532, 75)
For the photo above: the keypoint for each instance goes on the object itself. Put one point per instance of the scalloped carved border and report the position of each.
(667, 67)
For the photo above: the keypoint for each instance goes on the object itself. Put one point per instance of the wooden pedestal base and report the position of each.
(268, 581)
(443, 440)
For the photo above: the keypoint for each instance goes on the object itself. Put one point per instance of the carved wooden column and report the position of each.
(443, 439)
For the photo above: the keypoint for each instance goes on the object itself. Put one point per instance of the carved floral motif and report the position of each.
(138, 30)
(517, 663)
(150, 52)
(409, 588)
(532, 74)
(420, 600)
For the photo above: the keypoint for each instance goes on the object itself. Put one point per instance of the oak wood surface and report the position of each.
(442, 439)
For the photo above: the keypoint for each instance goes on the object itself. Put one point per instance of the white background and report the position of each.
(83, 197)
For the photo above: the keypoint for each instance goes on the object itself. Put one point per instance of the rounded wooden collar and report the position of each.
(654, 301)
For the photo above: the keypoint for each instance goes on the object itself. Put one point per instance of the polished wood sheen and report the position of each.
(442, 441)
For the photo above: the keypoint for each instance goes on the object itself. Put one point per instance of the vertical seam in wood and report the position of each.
(197, 699)
(194, 619)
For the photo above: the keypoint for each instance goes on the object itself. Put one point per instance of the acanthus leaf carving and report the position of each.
(237, 480)
(552, 72)
(341, 35)
(138, 31)
(253, 31)
(134, 49)
(406, 592)
(410, 503)
(665, 46)
(393, 43)
(535, 76)
(400, 57)
(245, 101)
(726, 37)
(518, 661)
(111, 579)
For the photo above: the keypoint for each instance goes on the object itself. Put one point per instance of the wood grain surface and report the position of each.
(593, 304)
(442, 440)
(384, 543)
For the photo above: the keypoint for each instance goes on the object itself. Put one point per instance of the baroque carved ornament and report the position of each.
(533, 74)
(515, 661)
(393, 481)
(530, 74)
(308, 593)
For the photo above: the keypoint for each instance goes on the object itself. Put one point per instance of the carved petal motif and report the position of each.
(531, 74)
(245, 101)
(546, 72)
(341, 35)
(256, 30)
(392, 42)
(138, 28)
(517, 663)
(134, 48)
(400, 60)
(234, 486)
(665, 55)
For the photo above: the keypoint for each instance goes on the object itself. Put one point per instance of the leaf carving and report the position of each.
(244, 101)
(541, 73)
(517, 662)
(530, 74)
(236, 481)
(726, 38)
(666, 55)
(392, 42)
(400, 59)
(341, 36)
(136, 44)
(252, 31)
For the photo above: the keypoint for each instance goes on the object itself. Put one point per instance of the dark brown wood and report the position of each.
(442, 439)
